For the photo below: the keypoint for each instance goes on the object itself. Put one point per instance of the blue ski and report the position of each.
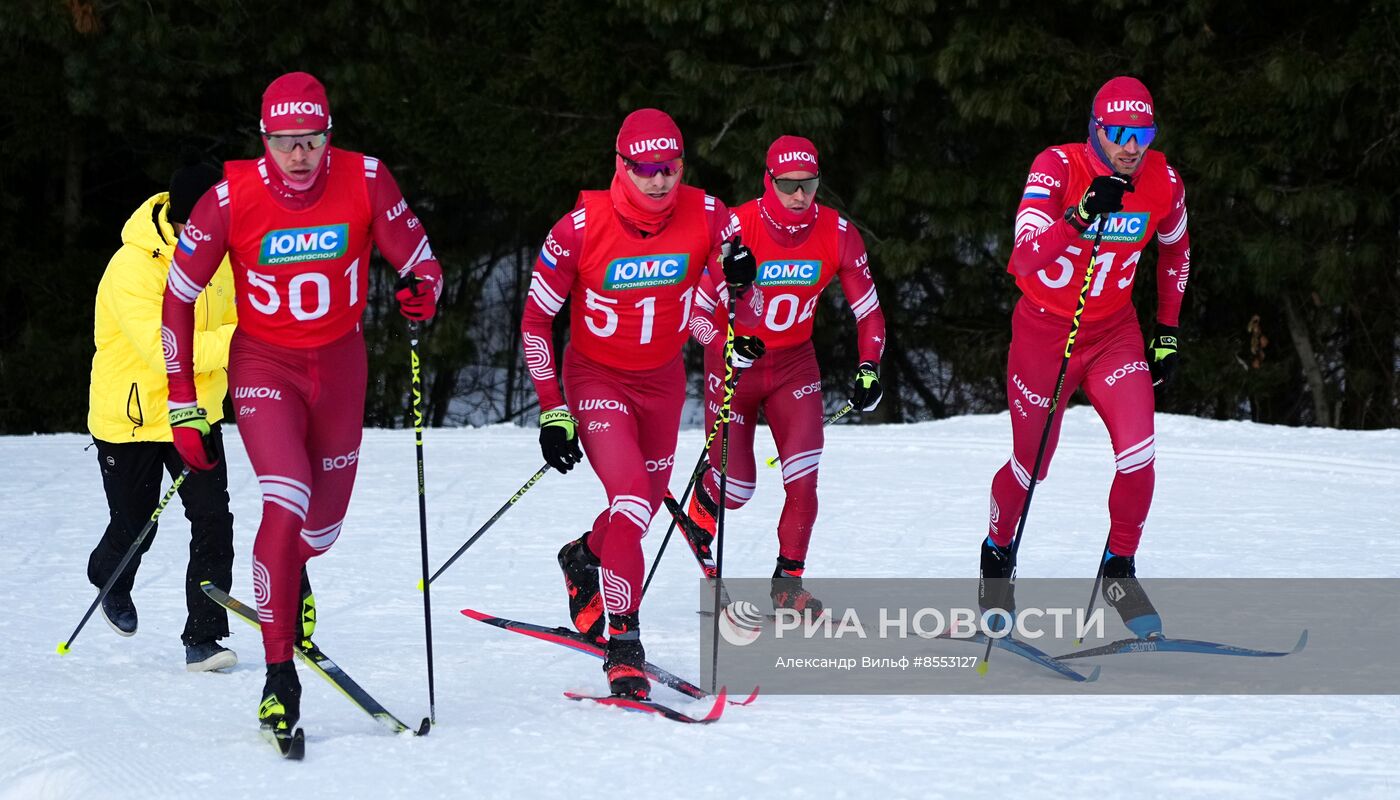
(1165, 645)
(1029, 653)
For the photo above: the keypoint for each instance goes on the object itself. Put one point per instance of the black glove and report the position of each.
(866, 394)
(1161, 355)
(559, 439)
(747, 349)
(740, 267)
(1104, 196)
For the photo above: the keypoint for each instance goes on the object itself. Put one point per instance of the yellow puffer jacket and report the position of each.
(127, 395)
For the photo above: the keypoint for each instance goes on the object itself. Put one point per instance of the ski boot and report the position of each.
(308, 609)
(995, 589)
(580, 569)
(1125, 594)
(626, 661)
(280, 709)
(787, 591)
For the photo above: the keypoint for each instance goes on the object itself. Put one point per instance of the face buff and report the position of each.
(788, 154)
(647, 136)
(295, 101)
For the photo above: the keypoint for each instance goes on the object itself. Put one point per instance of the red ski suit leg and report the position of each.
(786, 384)
(300, 415)
(627, 424)
(1108, 362)
(1119, 385)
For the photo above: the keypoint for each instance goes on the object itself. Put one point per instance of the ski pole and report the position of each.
(126, 559)
(422, 513)
(1094, 592)
(830, 418)
(730, 380)
(539, 473)
(1049, 421)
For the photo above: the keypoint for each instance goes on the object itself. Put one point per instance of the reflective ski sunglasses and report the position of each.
(1122, 134)
(791, 185)
(651, 170)
(286, 143)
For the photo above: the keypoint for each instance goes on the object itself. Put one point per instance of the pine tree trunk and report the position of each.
(1298, 331)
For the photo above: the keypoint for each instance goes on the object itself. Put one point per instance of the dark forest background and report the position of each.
(1283, 118)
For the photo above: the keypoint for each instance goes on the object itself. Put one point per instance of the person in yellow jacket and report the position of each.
(129, 425)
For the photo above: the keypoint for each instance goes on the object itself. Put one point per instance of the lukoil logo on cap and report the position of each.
(304, 107)
(1140, 106)
(645, 146)
(799, 155)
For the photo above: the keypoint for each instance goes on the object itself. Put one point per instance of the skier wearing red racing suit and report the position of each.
(297, 224)
(1112, 174)
(633, 259)
(800, 247)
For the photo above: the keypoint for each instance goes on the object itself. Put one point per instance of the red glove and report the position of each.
(189, 427)
(417, 291)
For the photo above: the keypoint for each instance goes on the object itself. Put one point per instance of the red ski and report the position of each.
(653, 707)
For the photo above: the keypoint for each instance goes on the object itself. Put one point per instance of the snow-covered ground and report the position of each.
(120, 718)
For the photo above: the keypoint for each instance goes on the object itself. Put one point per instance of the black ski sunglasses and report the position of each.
(791, 185)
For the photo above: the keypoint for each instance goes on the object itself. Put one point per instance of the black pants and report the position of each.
(131, 477)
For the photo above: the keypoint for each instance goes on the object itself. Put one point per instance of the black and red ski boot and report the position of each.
(580, 569)
(626, 662)
(787, 590)
(702, 512)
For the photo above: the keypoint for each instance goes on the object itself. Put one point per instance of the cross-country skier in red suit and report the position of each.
(297, 224)
(1070, 185)
(800, 246)
(633, 259)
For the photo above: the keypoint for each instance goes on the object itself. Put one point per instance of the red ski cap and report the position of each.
(792, 154)
(295, 101)
(1124, 101)
(650, 135)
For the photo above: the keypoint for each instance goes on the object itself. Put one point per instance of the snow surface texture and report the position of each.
(120, 718)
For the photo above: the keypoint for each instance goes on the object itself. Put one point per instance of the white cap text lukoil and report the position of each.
(648, 145)
(1140, 106)
(799, 155)
(303, 107)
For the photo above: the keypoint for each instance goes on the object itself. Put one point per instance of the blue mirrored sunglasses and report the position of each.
(1122, 134)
